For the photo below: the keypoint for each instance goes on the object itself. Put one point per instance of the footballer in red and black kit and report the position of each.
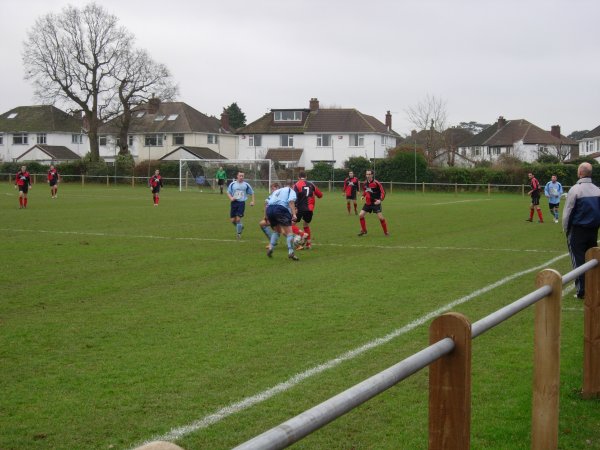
(53, 181)
(373, 194)
(155, 185)
(351, 186)
(23, 183)
(306, 192)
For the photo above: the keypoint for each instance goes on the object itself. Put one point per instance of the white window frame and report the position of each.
(77, 139)
(287, 116)
(212, 138)
(102, 140)
(1, 138)
(22, 137)
(172, 116)
(41, 138)
(357, 140)
(255, 140)
(324, 140)
(130, 140)
(286, 140)
(177, 136)
(153, 140)
(159, 117)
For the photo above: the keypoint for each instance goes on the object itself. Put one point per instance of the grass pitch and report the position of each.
(121, 322)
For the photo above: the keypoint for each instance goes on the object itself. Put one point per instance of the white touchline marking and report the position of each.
(398, 247)
(461, 201)
(205, 422)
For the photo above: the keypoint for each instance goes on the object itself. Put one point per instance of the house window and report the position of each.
(589, 146)
(153, 140)
(1, 139)
(140, 114)
(357, 140)
(213, 139)
(323, 140)
(12, 115)
(286, 140)
(20, 138)
(77, 139)
(102, 140)
(130, 140)
(172, 117)
(288, 116)
(41, 138)
(255, 140)
(159, 117)
(178, 139)
(477, 151)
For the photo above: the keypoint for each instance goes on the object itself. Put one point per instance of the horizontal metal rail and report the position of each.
(311, 420)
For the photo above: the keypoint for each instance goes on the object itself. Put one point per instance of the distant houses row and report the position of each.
(297, 137)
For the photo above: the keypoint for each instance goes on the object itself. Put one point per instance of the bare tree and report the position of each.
(429, 114)
(139, 78)
(70, 58)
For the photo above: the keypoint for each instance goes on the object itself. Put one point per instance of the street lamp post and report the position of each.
(415, 166)
(332, 164)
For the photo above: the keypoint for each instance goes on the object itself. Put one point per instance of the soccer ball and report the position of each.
(297, 240)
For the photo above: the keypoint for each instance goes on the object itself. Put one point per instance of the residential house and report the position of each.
(518, 138)
(590, 142)
(49, 154)
(158, 128)
(302, 137)
(24, 127)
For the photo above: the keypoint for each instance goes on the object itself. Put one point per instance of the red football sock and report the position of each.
(530, 214)
(307, 231)
(540, 214)
(20, 201)
(295, 229)
(157, 199)
(363, 224)
(348, 207)
(384, 225)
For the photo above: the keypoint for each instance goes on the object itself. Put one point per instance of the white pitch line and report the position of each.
(206, 421)
(389, 247)
(461, 201)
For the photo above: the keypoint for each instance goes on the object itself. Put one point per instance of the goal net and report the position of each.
(200, 174)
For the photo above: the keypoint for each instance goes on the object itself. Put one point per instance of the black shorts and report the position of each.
(372, 208)
(351, 196)
(53, 182)
(24, 189)
(279, 215)
(553, 205)
(535, 200)
(156, 189)
(237, 209)
(304, 215)
(220, 181)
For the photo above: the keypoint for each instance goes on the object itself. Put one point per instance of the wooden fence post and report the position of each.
(591, 328)
(546, 363)
(450, 385)
(423, 187)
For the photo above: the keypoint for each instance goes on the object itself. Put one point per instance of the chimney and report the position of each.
(388, 121)
(153, 105)
(314, 104)
(501, 122)
(555, 131)
(225, 120)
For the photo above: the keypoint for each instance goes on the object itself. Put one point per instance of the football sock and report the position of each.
(239, 227)
(540, 214)
(363, 224)
(274, 238)
(20, 201)
(295, 229)
(348, 207)
(530, 214)
(307, 231)
(384, 225)
(157, 199)
(267, 230)
(355, 210)
(25, 202)
(290, 243)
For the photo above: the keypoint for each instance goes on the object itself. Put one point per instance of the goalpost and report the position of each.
(199, 174)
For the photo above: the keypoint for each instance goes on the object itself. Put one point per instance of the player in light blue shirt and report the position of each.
(281, 212)
(553, 191)
(238, 192)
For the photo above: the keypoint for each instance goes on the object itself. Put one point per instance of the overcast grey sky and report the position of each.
(523, 59)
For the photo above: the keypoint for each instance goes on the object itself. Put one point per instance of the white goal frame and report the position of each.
(183, 178)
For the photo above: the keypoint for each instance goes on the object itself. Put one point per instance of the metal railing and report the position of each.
(449, 358)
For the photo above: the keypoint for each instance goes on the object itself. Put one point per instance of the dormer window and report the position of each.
(140, 114)
(287, 116)
(173, 117)
(12, 115)
(159, 118)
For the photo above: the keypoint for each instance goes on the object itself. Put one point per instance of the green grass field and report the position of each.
(121, 322)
